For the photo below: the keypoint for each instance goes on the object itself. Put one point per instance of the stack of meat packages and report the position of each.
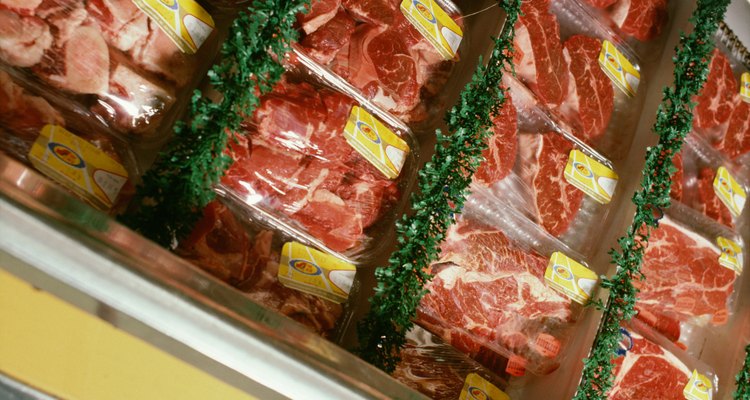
(107, 55)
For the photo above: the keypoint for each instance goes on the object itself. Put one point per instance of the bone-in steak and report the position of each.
(488, 293)
(684, 280)
(647, 372)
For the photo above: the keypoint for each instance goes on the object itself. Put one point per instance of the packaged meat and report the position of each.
(376, 48)
(536, 164)
(648, 368)
(504, 291)
(581, 71)
(691, 266)
(722, 114)
(333, 170)
(707, 182)
(440, 372)
(252, 255)
(61, 142)
(643, 20)
(132, 71)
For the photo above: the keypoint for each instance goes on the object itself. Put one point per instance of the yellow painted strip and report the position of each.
(66, 352)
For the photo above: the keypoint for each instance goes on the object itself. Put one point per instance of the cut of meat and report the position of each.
(684, 279)
(23, 113)
(502, 148)
(220, 245)
(325, 43)
(601, 3)
(298, 162)
(541, 64)
(647, 371)
(708, 202)
(736, 142)
(123, 24)
(24, 7)
(677, 184)
(716, 99)
(592, 101)
(642, 19)
(23, 40)
(321, 11)
(376, 12)
(158, 54)
(82, 65)
(557, 201)
(488, 293)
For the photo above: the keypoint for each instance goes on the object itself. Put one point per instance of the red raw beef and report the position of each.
(684, 280)
(321, 11)
(23, 7)
(540, 63)
(23, 40)
(488, 293)
(677, 184)
(376, 12)
(642, 19)
(647, 372)
(736, 142)
(716, 99)
(708, 202)
(22, 113)
(557, 201)
(220, 245)
(601, 3)
(297, 161)
(590, 100)
(502, 148)
(324, 43)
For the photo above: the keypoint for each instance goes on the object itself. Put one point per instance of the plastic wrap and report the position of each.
(642, 20)
(110, 57)
(691, 268)
(374, 47)
(440, 372)
(532, 164)
(247, 252)
(708, 183)
(28, 115)
(497, 293)
(721, 116)
(650, 368)
(297, 164)
(582, 72)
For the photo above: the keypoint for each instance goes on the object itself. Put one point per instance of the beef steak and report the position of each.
(736, 141)
(642, 19)
(715, 101)
(500, 154)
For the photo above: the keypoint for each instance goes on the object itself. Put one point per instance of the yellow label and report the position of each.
(78, 165)
(745, 86)
(184, 21)
(570, 278)
(619, 69)
(698, 387)
(378, 144)
(731, 254)
(729, 191)
(477, 388)
(311, 271)
(435, 25)
(591, 176)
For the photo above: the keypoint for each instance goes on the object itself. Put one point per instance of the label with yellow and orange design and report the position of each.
(375, 142)
(591, 176)
(478, 388)
(435, 25)
(729, 191)
(184, 21)
(312, 271)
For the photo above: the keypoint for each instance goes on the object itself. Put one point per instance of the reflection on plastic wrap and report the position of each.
(438, 370)
(641, 19)
(376, 49)
(107, 54)
(691, 271)
(247, 257)
(296, 161)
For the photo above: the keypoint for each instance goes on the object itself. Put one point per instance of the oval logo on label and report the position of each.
(626, 342)
(563, 272)
(582, 169)
(305, 267)
(724, 184)
(613, 61)
(698, 384)
(477, 393)
(368, 132)
(424, 11)
(171, 4)
(66, 155)
(729, 252)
